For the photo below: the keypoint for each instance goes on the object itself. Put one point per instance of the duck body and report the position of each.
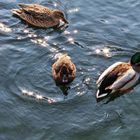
(119, 77)
(39, 16)
(63, 70)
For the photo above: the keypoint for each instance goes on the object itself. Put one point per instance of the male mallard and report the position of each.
(39, 16)
(119, 77)
(63, 70)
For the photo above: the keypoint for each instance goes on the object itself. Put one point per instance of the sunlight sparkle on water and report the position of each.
(39, 97)
(98, 51)
(71, 40)
(32, 35)
(42, 42)
(104, 51)
(24, 91)
(75, 31)
(20, 37)
(5, 28)
(80, 93)
(58, 55)
(53, 50)
(66, 32)
(26, 31)
(87, 79)
(73, 10)
(54, 43)
(55, 4)
(51, 100)
(28, 93)
(47, 37)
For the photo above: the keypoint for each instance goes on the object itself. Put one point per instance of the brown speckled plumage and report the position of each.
(115, 74)
(39, 16)
(63, 66)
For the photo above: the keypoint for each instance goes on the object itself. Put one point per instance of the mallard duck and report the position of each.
(63, 70)
(40, 16)
(119, 77)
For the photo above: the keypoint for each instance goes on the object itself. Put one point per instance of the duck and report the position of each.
(63, 70)
(120, 77)
(40, 16)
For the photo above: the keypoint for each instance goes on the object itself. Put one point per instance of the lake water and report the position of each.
(99, 34)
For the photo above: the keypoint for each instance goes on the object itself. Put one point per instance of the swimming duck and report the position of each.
(119, 77)
(63, 70)
(40, 16)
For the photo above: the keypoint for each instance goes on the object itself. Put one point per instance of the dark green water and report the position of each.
(99, 34)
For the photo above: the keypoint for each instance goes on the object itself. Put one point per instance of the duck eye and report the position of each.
(61, 14)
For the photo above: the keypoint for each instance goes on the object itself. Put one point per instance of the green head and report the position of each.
(135, 59)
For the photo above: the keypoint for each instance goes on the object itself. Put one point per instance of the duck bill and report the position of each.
(64, 79)
(64, 20)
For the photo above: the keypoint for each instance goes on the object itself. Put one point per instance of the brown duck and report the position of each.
(40, 16)
(63, 70)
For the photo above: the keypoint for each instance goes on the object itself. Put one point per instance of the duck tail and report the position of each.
(16, 12)
(101, 95)
(22, 5)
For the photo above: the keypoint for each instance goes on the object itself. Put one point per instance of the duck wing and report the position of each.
(37, 11)
(107, 72)
(113, 78)
(126, 81)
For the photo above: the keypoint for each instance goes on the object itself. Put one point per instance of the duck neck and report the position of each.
(136, 68)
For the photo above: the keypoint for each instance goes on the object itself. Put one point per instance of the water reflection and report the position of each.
(35, 72)
(75, 31)
(71, 40)
(5, 28)
(110, 97)
(103, 51)
(55, 4)
(74, 10)
(64, 89)
(37, 96)
(67, 32)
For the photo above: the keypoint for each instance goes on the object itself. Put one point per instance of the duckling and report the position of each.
(40, 16)
(120, 77)
(63, 70)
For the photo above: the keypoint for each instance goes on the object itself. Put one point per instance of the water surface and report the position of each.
(99, 34)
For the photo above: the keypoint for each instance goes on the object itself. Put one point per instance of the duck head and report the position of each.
(64, 73)
(59, 15)
(135, 62)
